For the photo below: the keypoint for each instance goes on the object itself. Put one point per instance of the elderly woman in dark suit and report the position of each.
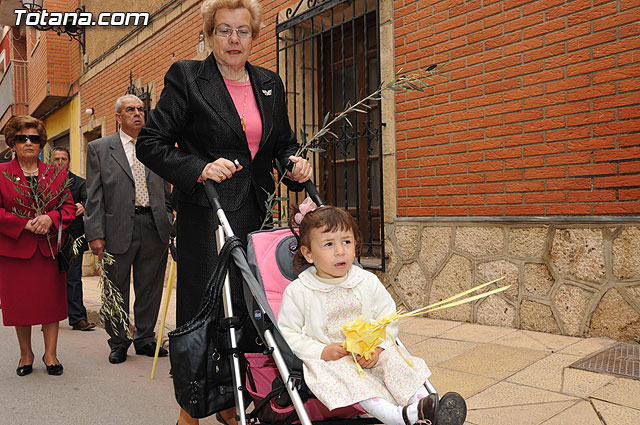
(31, 288)
(211, 113)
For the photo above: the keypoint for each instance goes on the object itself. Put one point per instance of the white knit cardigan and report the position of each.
(303, 317)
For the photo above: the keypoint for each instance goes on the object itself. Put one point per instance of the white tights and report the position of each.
(391, 414)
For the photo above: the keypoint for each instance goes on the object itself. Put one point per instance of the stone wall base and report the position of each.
(578, 279)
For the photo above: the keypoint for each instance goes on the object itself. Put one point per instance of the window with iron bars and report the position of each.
(329, 58)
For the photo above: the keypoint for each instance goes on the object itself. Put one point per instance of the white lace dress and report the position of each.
(337, 383)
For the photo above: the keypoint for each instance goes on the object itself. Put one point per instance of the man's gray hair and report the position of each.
(126, 96)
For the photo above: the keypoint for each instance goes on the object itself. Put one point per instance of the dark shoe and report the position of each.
(54, 369)
(150, 350)
(24, 370)
(427, 408)
(118, 355)
(452, 410)
(83, 325)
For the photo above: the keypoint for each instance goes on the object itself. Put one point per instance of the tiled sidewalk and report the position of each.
(507, 376)
(518, 377)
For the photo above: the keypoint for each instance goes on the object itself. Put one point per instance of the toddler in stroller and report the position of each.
(326, 294)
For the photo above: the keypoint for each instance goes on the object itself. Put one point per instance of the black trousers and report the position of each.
(197, 252)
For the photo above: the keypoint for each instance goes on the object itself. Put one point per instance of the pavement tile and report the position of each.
(493, 361)
(545, 373)
(537, 340)
(583, 382)
(505, 394)
(520, 339)
(553, 342)
(625, 392)
(517, 415)
(580, 413)
(466, 384)
(587, 346)
(410, 341)
(476, 333)
(425, 326)
(614, 414)
(436, 350)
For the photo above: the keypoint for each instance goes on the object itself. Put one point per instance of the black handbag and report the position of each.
(66, 257)
(199, 350)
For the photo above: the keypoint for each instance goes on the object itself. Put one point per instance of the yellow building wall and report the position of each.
(65, 119)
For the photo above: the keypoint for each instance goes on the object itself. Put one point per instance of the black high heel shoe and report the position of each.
(24, 369)
(54, 369)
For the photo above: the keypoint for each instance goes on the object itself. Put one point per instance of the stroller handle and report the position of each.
(214, 199)
(311, 189)
(212, 194)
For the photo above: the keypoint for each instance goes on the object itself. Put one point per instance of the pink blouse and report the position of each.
(252, 119)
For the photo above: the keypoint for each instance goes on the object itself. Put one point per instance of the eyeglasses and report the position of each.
(130, 109)
(22, 138)
(226, 31)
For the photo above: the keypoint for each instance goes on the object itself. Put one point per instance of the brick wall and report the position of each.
(54, 60)
(539, 114)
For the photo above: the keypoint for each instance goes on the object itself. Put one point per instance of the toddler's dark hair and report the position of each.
(329, 219)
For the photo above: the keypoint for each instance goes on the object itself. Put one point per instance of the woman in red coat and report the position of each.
(31, 288)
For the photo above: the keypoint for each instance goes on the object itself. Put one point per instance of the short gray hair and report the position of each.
(126, 96)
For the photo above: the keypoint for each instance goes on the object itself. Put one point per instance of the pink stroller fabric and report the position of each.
(269, 255)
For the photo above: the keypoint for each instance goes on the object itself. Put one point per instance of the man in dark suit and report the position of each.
(77, 311)
(127, 216)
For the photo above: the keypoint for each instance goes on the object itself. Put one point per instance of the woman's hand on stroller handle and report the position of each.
(298, 165)
(299, 169)
(220, 170)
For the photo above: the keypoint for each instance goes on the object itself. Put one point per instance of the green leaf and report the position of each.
(326, 119)
(431, 67)
(317, 150)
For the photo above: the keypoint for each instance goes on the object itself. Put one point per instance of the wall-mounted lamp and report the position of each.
(88, 111)
(69, 27)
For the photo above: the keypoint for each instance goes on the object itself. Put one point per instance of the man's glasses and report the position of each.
(226, 31)
(22, 138)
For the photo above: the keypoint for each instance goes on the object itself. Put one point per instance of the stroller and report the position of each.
(273, 380)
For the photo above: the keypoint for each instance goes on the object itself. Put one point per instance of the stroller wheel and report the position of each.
(452, 410)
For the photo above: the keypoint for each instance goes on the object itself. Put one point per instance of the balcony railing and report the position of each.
(13, 89)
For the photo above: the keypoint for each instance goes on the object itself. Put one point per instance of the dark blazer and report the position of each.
(110, 208)
(78, 189)
(15, 241)
(196, 112)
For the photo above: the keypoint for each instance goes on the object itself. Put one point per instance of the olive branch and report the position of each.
(35, 194)
(414, 81)
(111, 309)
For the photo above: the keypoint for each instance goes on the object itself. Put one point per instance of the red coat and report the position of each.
(15, 241)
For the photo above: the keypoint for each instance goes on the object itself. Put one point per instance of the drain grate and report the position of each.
(621, 359)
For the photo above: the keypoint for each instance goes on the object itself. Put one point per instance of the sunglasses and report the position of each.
(22, 138)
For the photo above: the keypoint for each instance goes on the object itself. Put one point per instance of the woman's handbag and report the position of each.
(199, 349)
(66, 257)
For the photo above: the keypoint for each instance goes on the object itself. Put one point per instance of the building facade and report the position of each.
(522, 160)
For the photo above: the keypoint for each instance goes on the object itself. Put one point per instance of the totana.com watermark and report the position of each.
(81, 19)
